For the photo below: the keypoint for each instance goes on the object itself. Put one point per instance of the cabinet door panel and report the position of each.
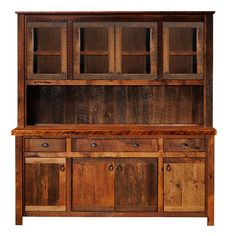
(93, 185)
(136, 185)
(46, 50)
(45, 184)
(184, 186)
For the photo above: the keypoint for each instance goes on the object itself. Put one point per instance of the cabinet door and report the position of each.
(184, 185)
(93, 50)
(45, 184)
(183, 50)
(46, 50)
(136, 49)
(136, 185)
(93, 184)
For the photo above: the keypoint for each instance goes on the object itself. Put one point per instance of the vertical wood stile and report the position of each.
(208, 69)
(210, 180)
(160, 176)
(69, 50)
(153, 48)
(200, 50)
(160, 50)
(165, 49)
(111, 48)
(118, 48)
(19, 180)
(76, 46)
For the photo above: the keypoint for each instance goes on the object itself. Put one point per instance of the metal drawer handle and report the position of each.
(168, 168)
(110, 167)
(93, 145)
(62, 167)
(136, 145)
(184, 145)
(45, 145)
(119, 167)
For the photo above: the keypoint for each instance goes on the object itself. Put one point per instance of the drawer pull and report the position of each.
(136, 145)
(45, 145)
(62, 167)
(184, 145)
(110, 167)
(168, 168)
(119, 167)
(93, 145)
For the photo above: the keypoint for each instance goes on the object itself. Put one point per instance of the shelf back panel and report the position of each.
(115, 105)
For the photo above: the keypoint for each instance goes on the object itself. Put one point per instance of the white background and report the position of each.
(224, 121)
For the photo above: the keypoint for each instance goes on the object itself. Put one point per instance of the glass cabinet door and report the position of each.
(136, 49)
(183, 50)
(46, 50)
(93, 49)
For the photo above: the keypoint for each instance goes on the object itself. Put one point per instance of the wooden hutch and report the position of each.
(115, 114)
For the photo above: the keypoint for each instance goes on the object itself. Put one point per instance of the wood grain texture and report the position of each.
(180, 145)
(92, 185)
(136, 185)
(110, 131)
(21, 70)
(184, 186)
(210, 181)
(19, 180)
(44, 145)
(45, 184)
(114, 145)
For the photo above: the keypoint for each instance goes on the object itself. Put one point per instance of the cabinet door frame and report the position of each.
(77, 52)
(61, 187)
(153, 49)
(169, 165)
(30, 51)
(109, 164)
(121, 173)
(199, 49)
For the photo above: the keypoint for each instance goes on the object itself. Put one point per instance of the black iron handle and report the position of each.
(110, 167)
(168, 168)
(184, 145)
(93, 145)
(45, 145)
(136, 145)
(119, 167)
(62, 167)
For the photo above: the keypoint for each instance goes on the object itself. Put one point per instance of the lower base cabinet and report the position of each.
(184, 185)
(114, 185)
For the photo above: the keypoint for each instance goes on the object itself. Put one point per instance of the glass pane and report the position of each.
(47, 65)
(182, 39)
(94, 39)
(47, 39)
(94, 64)
(136, 64)
(136, 39)
(183, 65)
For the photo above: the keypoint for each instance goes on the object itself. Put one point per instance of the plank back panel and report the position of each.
(115, 105)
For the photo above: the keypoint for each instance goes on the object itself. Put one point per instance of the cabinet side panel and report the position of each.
(21, 70)
(208, 73)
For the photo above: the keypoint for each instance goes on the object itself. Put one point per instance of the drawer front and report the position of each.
(45, 145)
(114, 145)
(184, 144)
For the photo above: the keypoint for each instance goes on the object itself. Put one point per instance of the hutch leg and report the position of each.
(210, 181)
(19, 180)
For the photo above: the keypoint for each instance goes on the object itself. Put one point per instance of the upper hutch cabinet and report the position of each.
(46, 50)
(183, 50)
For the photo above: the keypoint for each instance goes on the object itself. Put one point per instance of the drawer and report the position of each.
(184, 144)
(114, 145)
(45, 145)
